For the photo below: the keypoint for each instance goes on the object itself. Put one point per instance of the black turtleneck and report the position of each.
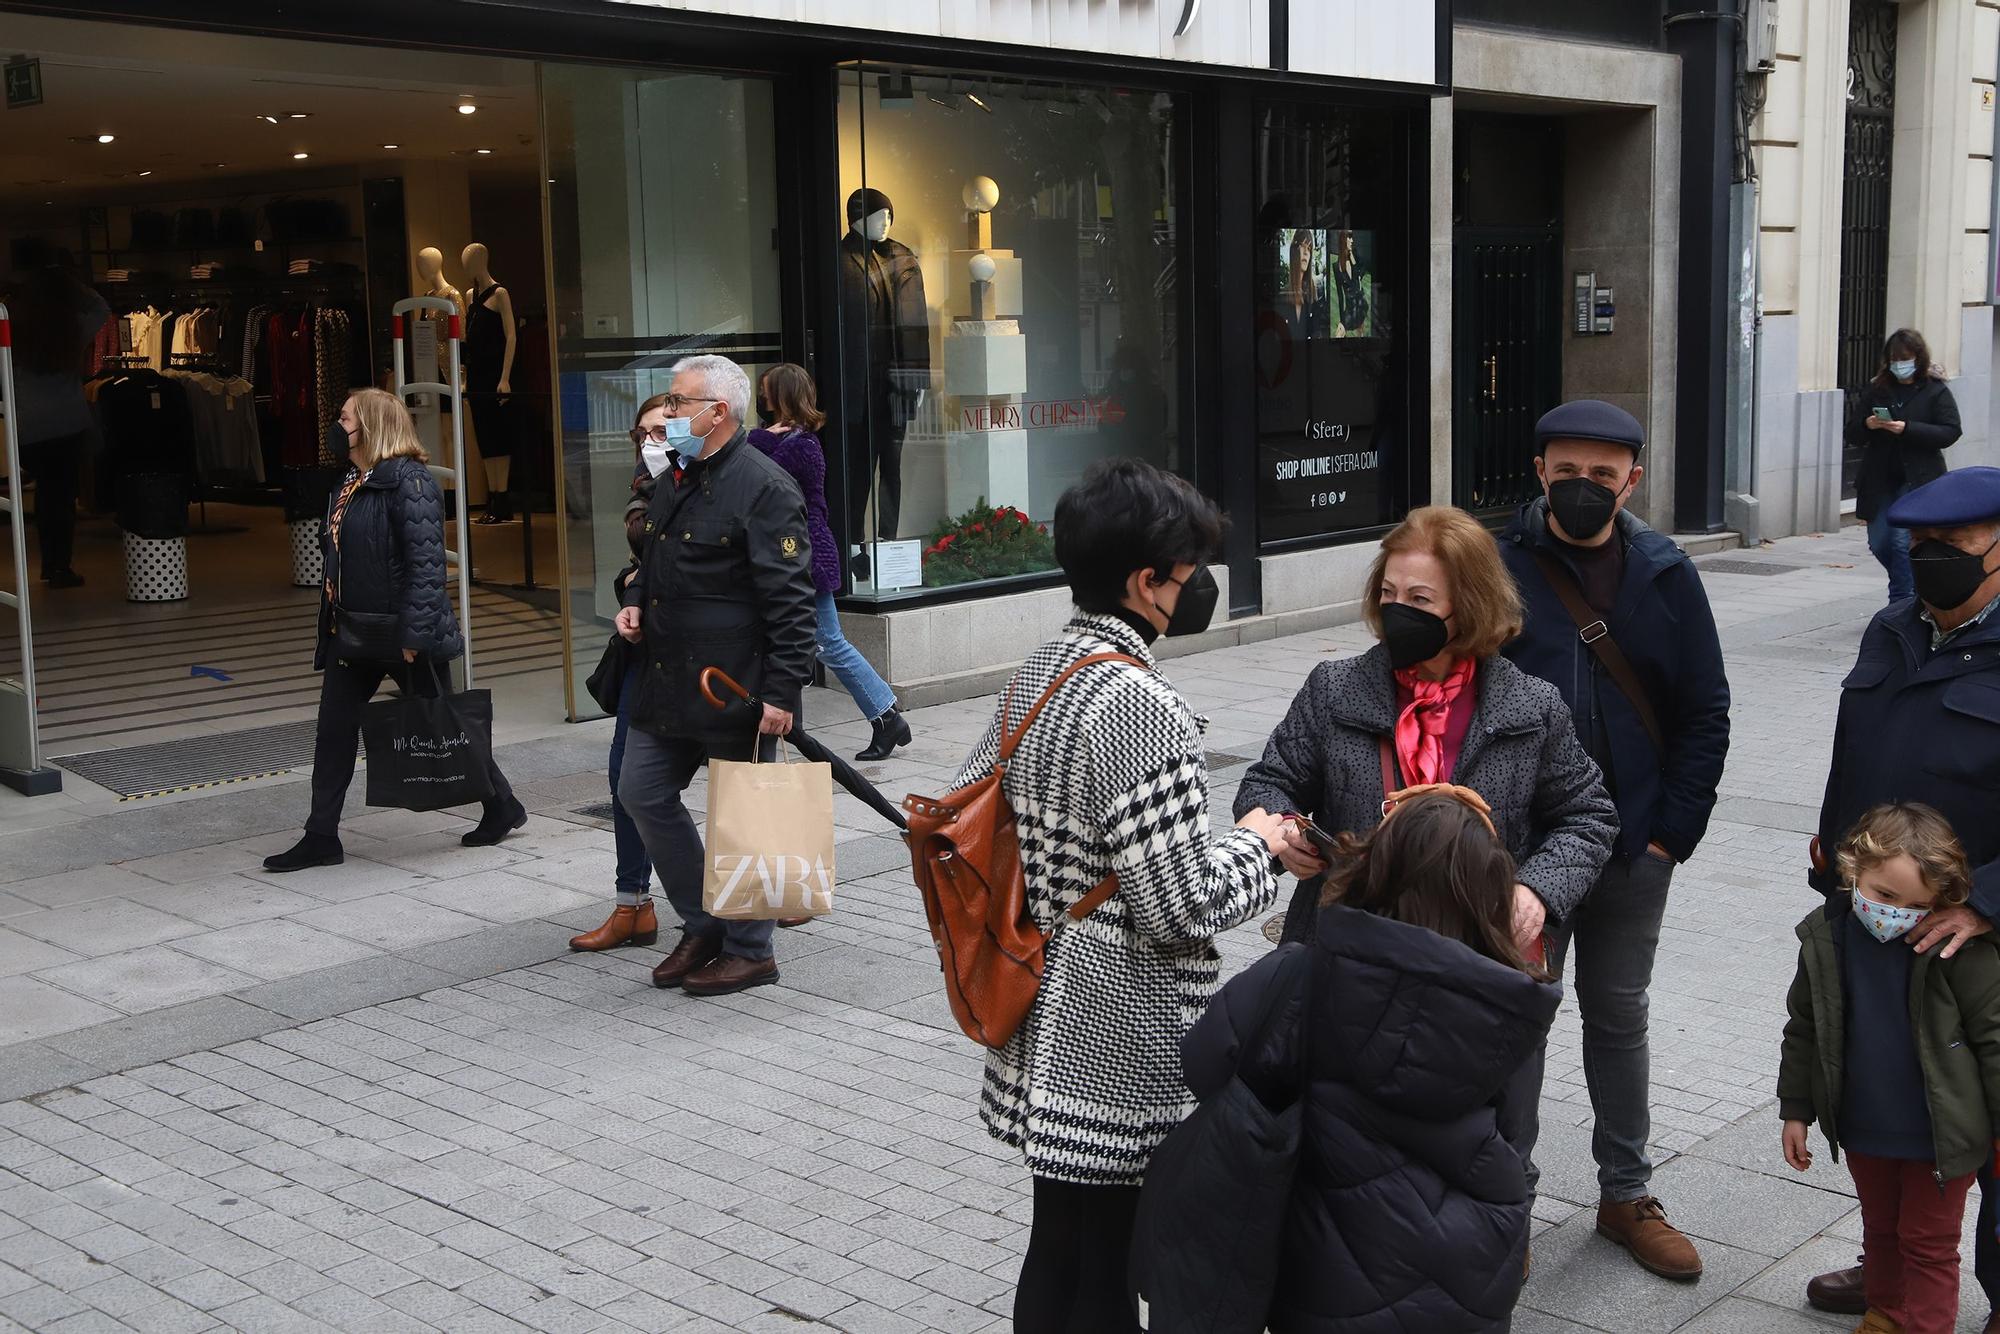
(1147, 633)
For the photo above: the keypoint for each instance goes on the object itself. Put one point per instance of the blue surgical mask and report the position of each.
(1903, 370)
(1884, 922)
(680, 430)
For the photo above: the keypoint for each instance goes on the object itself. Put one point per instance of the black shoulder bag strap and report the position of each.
(1596, 634)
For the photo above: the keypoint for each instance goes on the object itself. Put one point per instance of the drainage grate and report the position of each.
(597, 810)
(196, 762)
(1219, 760)
(1756, 567)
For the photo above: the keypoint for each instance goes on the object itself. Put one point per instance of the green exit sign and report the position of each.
(24, 83)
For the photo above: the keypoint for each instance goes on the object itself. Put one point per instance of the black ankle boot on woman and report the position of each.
(892, 729)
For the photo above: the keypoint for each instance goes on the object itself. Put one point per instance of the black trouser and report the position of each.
(493, 422)
(875, 449)
(1073, 1280)
(343, 688)
(55, 465)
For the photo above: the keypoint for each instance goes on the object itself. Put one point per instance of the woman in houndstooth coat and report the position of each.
(1112, 778)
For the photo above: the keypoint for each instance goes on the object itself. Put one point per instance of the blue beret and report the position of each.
(1590, 419)
(1970, 495)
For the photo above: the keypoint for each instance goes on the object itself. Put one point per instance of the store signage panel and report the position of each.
(1359, 39)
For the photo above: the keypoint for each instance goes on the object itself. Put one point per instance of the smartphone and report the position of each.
(1882, 415)
(1322, 841)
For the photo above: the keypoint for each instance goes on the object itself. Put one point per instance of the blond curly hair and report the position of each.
(1908, 828)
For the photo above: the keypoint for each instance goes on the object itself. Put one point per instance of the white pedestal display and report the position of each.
(156, 569)
(992, 464)
(985, 359)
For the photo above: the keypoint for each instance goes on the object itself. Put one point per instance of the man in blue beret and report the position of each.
(1920, 722)
(1618, 621)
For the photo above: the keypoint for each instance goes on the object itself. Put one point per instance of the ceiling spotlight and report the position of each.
(147, 172)
(106, 138)
(272, 119)
(467, 107)
(212, 166)
(483, 152)
(297, 115)
(299, 157)
(392, 145)
(977, 101)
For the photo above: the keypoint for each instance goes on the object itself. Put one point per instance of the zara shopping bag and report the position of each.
(429, 751)
(770, 840)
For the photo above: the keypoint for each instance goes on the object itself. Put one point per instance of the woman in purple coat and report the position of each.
(789, 404)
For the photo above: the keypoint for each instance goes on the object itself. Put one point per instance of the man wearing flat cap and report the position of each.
(1617, 620)
(1920, 722)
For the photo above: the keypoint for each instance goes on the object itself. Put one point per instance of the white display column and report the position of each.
(986, 369)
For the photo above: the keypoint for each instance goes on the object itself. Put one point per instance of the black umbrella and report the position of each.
(844, 773)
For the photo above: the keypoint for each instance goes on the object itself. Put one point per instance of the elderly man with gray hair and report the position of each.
(724, 580)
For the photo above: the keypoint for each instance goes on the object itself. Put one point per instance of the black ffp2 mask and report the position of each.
(1412, 635)
(1196, 606)
(1584, 508)
(1946, 578)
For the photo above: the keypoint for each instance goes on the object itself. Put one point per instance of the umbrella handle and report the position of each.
(710, 676)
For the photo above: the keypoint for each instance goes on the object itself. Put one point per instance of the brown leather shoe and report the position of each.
(693, 952)
(1841, 1292)
(1641, 1227)
(629, 924)
(730, 973)
(789, 922)
(1993, 1323)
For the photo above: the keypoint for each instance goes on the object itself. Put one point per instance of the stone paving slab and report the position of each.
(409, 1107)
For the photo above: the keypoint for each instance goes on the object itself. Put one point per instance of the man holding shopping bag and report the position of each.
(724, 580)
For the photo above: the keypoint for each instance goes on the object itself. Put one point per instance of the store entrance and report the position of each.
(203, 237)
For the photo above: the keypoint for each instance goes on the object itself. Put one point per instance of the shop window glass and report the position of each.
(662, 206)
(1008, 315)
(1331, 255)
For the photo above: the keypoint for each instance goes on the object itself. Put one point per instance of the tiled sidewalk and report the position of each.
(385, 1097)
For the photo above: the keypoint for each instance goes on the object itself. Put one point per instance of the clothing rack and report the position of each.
(209, 363)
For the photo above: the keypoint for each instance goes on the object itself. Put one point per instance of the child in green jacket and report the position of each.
(1922, 1033)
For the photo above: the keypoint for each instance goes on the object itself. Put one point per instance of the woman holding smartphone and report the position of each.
(1904, 420)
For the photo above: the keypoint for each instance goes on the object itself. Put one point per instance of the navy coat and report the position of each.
(1409, 1210)
(1663, 623)
(1921, 726)
(391, 562)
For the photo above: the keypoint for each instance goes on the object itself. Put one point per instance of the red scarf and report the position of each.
(1420, 728)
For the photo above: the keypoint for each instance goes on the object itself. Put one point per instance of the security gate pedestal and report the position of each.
(21, 766)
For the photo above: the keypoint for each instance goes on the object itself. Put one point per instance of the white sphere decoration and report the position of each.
(981, 194)
(982, 268)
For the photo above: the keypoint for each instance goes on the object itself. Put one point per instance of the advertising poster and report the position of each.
(1322, 454)
(1351, 272)
(1303, 302)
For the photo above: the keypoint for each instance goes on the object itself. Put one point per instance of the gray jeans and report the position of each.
(1617, 933)
(657, 771)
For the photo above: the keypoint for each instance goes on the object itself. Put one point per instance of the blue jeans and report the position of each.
(1892, 547)
(635, 870)
(844, 660)
(657, 771)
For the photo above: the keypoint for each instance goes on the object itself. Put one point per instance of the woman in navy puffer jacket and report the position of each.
(1416, 1042)
(789, 404)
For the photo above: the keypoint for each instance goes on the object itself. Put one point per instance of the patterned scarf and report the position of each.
(333, 521)
(1420, 728)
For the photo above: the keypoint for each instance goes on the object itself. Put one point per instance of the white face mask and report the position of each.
(1884, 922)
(657, 457)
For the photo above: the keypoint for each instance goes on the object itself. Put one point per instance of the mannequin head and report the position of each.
(474, 260)
(870, 214)
(430, 265)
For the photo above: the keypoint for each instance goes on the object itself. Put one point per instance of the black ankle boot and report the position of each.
(892, 729)
(311, 850)
(495, 823)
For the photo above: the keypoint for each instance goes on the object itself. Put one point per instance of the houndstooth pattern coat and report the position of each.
(1112, 777)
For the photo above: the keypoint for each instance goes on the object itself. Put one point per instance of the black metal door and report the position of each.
(1864, 209)
(1506, 359)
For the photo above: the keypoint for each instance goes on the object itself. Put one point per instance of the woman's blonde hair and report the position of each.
(1485, 604)
(386, 429)
(1908, 828)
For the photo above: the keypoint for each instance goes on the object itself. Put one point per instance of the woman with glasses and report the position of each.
(633, 920)
(789, 404)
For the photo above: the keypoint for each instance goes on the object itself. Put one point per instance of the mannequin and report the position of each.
(885, 358)
(489, 365)
(430, 268)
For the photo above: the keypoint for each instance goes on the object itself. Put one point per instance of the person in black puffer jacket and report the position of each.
(1903, 421)
(1414, 1049)
(383, 612)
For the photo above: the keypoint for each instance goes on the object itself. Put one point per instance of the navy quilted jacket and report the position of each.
(391, 559)
(1416, 1058)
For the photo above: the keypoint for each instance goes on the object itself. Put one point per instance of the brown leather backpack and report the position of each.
(966, 856)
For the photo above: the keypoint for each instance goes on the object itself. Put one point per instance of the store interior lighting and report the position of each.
(467, 107)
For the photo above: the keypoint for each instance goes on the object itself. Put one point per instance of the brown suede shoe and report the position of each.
(693, 952)
(629, 924)
(1874, 1322)
(1841, 1292)
(1641, 1227)
(730, 973)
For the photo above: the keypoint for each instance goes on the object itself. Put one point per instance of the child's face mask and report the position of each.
(1884, 922)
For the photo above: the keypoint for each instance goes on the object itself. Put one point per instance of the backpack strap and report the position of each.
(1011, 741)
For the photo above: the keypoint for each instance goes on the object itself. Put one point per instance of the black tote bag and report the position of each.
(429, 751)
(1211, 1217)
